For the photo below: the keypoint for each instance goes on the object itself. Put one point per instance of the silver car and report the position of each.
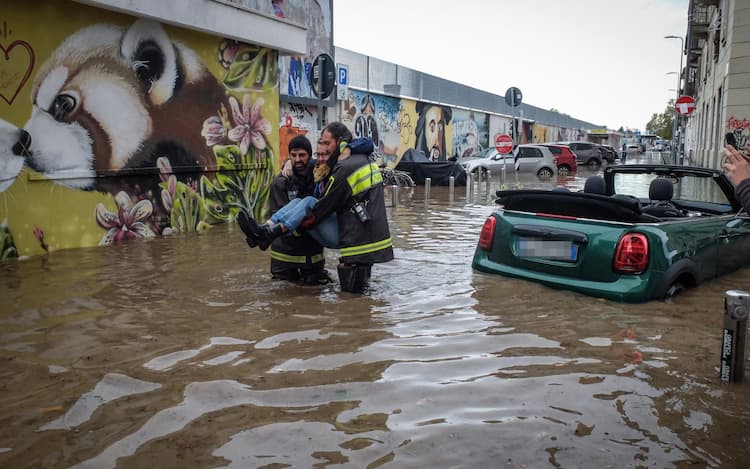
(536, 159)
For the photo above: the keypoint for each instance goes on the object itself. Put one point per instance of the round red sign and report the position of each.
(685, 105)
(503, 144)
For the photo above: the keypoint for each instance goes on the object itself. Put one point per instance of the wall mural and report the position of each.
(107, 151)
(470, 133)
(376, 117)
(500, 125)
(296, 119)
(431, 128)
(295, 71)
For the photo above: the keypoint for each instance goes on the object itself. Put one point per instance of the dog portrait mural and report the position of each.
(115, 128)
(470, 132)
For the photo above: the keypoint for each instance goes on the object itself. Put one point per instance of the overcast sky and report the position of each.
(601, 61)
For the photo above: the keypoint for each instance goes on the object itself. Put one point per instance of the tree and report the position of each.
(661, 124)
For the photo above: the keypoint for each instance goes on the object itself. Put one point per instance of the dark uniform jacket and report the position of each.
(298, 249)
(357, 178)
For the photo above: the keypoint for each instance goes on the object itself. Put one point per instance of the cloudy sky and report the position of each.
(601, 61)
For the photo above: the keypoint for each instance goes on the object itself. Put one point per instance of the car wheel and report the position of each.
(563, 168)
(675, 289)
(545, 173)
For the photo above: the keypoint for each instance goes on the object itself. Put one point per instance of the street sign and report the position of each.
(513, 96)
(503, 144)
(323, 76)
(685, 105)
(342, 76)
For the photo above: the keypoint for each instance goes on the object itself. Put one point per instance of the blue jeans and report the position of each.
(326, 233)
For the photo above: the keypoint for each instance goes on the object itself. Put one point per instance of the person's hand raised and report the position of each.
(287, 170)
(736, 165)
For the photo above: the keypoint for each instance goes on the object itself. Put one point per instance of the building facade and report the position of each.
(717, 75)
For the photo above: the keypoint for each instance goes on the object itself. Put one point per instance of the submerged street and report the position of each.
(180, 351)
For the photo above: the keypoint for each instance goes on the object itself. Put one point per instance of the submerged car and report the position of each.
(536, 159)
(565, 159)
(654, 231)
(587, 153)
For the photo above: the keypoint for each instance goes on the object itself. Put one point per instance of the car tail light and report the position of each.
(487, 234)
(631, 255)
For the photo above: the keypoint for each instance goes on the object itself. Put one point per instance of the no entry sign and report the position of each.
(685, 105)
(503, 144)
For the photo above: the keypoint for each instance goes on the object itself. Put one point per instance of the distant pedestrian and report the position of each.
(624, 154)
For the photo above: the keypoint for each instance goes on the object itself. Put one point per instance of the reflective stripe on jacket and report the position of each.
(358, 178)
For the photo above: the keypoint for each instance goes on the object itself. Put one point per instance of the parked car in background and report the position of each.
(634, 148)
(650, 235)
(587, 153)
(536, 159)
(565, 159)
(608, 153)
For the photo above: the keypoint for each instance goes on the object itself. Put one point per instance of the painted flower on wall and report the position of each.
(250, 125)
(127, 223)
(181, 201)
(243, 157)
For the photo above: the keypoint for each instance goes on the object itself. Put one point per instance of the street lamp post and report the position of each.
(676, 117)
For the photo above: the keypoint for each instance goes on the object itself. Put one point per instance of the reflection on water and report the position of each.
(181, 351)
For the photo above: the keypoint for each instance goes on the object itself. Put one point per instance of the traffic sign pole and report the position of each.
(684, 106)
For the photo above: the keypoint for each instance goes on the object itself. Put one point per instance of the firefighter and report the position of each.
(297, 257)
(356, 194)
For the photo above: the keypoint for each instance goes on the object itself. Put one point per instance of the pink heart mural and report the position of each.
(13, 82)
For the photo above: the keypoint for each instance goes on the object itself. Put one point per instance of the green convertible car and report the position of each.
(638, 233)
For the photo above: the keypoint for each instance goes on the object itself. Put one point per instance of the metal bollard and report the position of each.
(394, 195)
(427, 184)
(487, 184)
(736, 308)
(469, 185)
(451, 184)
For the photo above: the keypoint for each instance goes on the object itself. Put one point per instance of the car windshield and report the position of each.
(484, 153)
(701, 189)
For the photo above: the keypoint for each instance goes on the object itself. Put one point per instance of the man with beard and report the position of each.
(297, 257)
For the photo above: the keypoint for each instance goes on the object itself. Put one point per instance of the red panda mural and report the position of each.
(133, 114)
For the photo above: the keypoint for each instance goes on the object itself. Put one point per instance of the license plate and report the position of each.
(546, 249)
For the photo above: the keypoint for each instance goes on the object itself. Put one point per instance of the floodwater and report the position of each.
(181, 352)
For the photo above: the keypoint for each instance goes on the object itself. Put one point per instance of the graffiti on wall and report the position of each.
(107, 151)
(741, 130)
(376, 117)
(295, 72)
(296, 119)
(470, 133)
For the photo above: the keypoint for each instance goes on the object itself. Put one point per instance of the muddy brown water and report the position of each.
(180, 352)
